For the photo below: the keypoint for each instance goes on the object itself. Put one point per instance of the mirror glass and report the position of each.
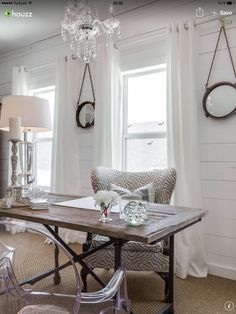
(86, 115)
(221, 101)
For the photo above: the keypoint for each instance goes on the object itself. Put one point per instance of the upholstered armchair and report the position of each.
(135, 256)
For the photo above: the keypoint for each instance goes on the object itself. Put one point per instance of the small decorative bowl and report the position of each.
(135, 213)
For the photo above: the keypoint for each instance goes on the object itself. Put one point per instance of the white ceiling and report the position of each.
(47, 15)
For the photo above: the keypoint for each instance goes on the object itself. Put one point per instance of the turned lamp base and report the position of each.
(15, 192)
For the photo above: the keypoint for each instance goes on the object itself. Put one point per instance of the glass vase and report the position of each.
(105, 213)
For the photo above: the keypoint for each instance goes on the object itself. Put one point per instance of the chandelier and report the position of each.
(83, 27)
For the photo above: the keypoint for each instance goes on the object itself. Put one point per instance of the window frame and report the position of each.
(137, 135)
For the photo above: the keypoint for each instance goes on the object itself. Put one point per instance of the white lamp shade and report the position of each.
(34, 112)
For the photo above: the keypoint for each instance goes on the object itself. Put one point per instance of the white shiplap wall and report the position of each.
(45, 53)
(218, 156)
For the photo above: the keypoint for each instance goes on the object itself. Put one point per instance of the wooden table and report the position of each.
(164, 221)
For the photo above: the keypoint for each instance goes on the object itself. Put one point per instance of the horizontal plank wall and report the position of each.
(41, 58)
(218, 155)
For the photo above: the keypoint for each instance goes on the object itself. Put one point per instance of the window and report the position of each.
(43, 143)
(144, 130)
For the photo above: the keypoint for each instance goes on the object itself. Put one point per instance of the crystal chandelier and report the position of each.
(83, 27)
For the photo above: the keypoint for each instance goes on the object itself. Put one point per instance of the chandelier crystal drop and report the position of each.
(83, 27)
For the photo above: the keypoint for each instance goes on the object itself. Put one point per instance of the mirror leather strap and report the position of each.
(231, 58)
(87, 67)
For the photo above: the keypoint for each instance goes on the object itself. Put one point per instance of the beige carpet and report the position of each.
(145, 289)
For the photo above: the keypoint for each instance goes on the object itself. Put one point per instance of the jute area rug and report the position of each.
(145, 289)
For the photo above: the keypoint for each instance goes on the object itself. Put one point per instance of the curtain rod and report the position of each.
(141, 34)
(37, 67)
(219, 18)
(115, 15)
(41, 66)
(152, 31)
(196, 23)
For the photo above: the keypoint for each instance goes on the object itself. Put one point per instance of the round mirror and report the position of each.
(219, 100)
(85, 114)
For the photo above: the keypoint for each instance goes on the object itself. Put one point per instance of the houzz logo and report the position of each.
(7, 13)
(12, 13)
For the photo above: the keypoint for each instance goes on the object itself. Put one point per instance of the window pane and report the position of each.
(146, 154)
(147, 102)
(43, 162)
(43, 146)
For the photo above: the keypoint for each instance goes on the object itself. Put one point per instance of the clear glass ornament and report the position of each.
(135, 213)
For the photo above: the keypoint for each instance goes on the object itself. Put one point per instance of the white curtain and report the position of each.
(20, 86)
(108, 113)
(20, 80)
(65, 153)
(183, 144)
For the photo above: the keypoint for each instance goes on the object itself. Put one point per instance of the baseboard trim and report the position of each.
(222, 271)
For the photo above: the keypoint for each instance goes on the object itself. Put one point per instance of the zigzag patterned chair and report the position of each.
(135, 256)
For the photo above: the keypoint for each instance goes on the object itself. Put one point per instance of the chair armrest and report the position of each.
(106, 293)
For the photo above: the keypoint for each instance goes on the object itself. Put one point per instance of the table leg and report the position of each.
(171, 275)
(57, 277)
(118, 245)
(169, 306)
(79, 257)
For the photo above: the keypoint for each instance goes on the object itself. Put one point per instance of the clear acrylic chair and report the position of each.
(5, 251)
(38, 309)
(33, 257)
(115, 286)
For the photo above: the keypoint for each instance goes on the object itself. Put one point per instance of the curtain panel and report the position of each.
(65, 175)
(20, 80)
(65, 151)
(183, 144)
(108, 111)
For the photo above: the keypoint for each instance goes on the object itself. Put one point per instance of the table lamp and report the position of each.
(35, 117)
